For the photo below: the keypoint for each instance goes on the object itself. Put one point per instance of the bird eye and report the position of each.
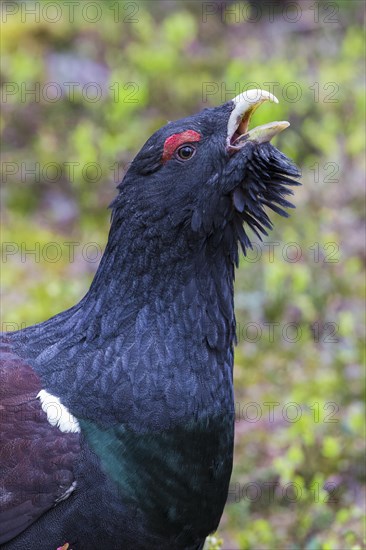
(185, 152)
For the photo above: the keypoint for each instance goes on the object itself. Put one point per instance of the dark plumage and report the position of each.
(130, 445)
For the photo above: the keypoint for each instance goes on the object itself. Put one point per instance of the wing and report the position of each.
(36, 457)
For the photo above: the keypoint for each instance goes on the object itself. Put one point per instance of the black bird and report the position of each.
(118, 414)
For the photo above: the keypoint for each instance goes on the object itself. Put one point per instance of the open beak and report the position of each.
(237, 129)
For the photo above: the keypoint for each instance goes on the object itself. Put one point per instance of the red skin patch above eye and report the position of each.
(172, 142)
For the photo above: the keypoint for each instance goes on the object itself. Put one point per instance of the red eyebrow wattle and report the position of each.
(172, 142)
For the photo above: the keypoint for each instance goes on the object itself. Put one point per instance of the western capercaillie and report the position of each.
(118, 414)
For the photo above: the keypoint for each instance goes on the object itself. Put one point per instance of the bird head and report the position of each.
(209, 177)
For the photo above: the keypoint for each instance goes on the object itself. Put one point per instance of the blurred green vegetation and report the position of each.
(299, 478)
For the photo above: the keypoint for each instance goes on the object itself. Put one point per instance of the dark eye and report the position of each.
(185, 152)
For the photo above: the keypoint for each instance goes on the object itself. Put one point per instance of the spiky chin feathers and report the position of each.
(258, 176)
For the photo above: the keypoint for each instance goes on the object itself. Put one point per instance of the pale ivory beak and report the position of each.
(245, 105)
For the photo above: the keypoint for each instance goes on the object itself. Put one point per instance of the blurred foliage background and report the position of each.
(82, 90)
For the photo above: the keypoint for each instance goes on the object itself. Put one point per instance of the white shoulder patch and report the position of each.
(67, 493)
(57, 414)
